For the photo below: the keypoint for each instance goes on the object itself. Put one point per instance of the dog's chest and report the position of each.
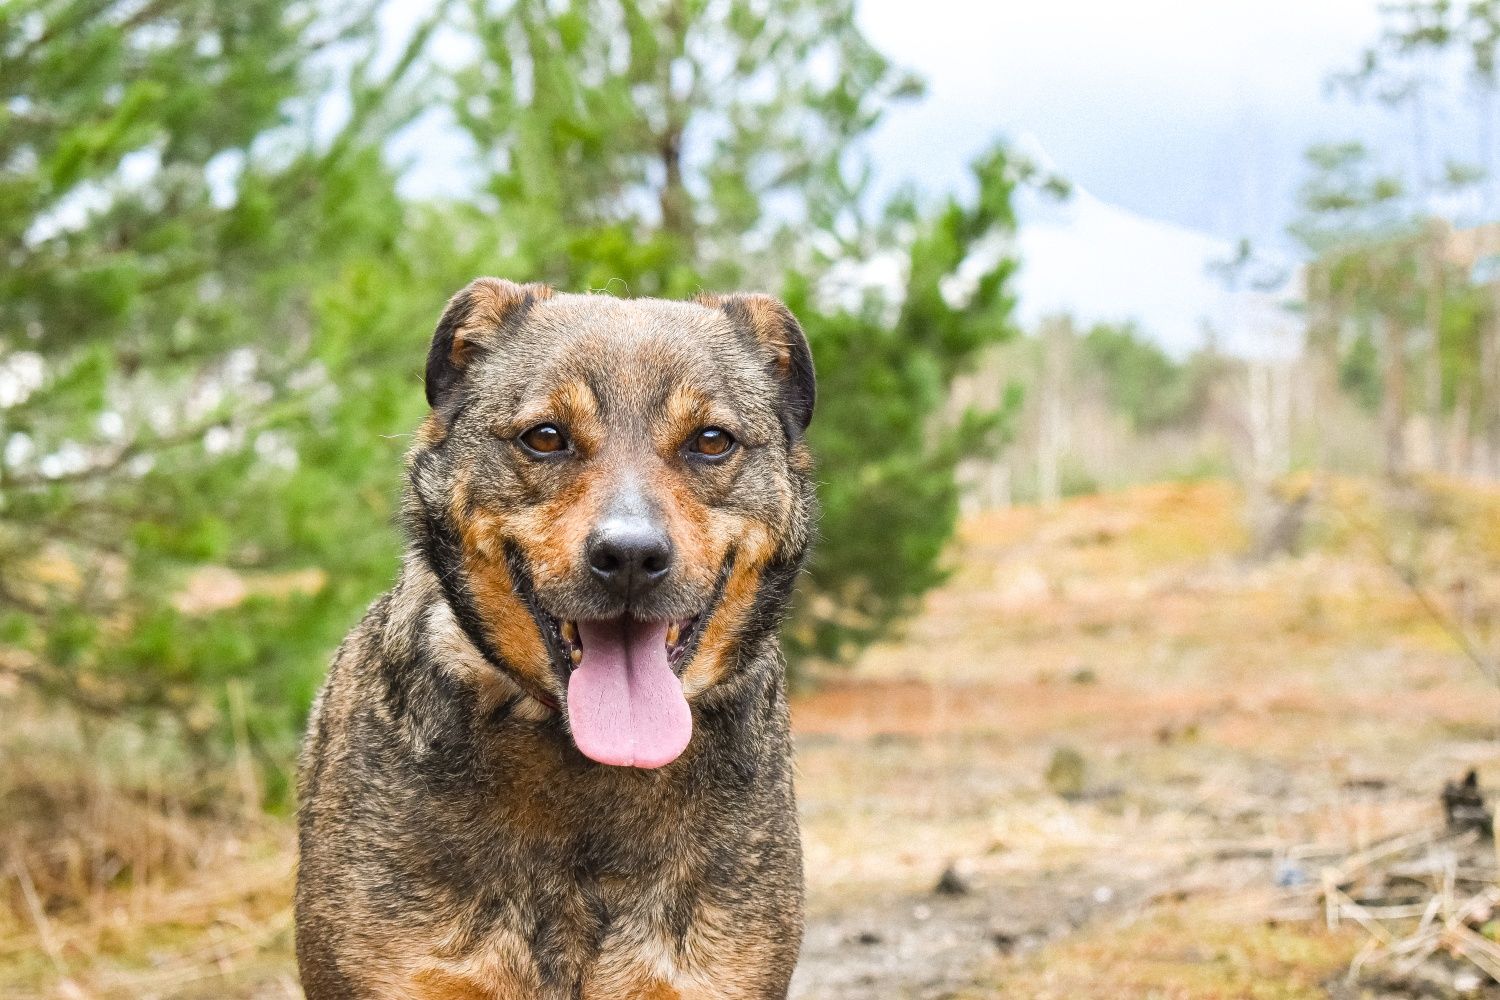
(651, 946)
(590, 886)
(572, 909)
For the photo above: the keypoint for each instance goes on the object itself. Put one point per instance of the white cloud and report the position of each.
(1102, 263)
(1194, 112)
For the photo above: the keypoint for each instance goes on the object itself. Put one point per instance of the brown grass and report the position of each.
(1183, 953)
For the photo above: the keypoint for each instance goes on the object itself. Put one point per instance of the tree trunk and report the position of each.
(1393, 398)
(1051, 434)
(1460, 433)
(1489, 388)
(676, 203)
(676, 207)
(1436, 245)
(1326, 318)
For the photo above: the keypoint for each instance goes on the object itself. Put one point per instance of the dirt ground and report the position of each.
(1120, 739)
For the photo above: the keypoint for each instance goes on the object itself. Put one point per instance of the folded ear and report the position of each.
(471, 324)
(771, 324)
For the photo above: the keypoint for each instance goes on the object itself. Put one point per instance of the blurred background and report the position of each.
(1151, 645)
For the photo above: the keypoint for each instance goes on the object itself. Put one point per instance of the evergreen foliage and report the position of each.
(215, 305)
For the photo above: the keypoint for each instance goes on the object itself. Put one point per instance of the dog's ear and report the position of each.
(771, 324)
(470, 325)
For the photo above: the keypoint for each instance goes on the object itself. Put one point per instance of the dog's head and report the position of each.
(615, 495)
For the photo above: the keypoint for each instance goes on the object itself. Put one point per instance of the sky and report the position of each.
(1194, 112)
(1182, 124)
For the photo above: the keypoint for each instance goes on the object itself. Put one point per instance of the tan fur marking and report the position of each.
(491, 300)
(768, 318)
(507, 621)
(431, 432)
(755, 549)
(576, 399)
(552, 535)
(574, 403)
(688, 408)
(694, 530)
(502, 972)
(632, 972)
(434, 985)
(458, 655)
(655, 991)
(551, 539)
(768, 321)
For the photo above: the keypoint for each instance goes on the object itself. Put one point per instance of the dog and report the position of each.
(554, 761)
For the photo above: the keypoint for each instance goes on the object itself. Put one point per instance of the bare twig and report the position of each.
(39, 916)
(1409, 577)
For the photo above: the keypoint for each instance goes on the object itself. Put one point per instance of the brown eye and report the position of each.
(712, 442)
(545, 439)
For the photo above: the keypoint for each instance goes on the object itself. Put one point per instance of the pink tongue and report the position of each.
(624, 703)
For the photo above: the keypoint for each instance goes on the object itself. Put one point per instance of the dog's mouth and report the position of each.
(680, 636)
(625, 703)
(625, 700)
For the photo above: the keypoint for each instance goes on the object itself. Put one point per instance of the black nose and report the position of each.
(630, 556)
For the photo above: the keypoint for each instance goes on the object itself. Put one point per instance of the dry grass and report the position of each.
(128, 870)
(1179, 952)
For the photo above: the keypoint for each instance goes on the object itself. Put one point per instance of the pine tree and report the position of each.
(664, 143)
(660, 147)
(175, 236)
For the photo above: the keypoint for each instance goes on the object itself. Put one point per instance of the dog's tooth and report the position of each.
(570, 631)
(577, 656)
(673, 634)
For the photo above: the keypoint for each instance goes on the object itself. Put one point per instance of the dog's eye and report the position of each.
(712, 442)
(544, 439)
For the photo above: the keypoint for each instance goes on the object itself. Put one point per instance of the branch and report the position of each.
(1431, 605)
(139, 446)
(142, 446)
(56, 683)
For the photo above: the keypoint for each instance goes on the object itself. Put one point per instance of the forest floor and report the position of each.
(1122, 736)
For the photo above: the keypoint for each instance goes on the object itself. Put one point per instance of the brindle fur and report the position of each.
(454, 842)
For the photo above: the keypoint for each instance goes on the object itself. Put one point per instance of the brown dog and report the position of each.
(554, 761)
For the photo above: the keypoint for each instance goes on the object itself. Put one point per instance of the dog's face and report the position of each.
(615, 495)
